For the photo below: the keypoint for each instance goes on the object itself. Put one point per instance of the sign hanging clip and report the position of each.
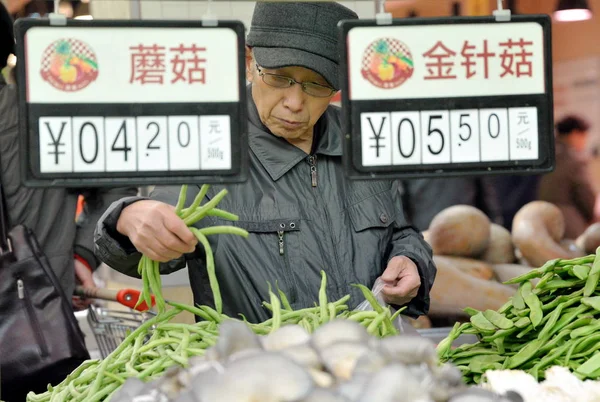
(381, 17)
(57, 18)
(209, 19)
(501, 14)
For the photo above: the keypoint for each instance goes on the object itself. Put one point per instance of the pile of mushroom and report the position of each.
(339, 362)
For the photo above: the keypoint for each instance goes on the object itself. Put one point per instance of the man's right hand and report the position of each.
(156, 231)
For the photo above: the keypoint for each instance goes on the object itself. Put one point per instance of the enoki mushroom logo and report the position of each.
(69, 65)
(387, 63)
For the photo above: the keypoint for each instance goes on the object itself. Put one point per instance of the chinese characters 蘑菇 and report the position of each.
(185, 64)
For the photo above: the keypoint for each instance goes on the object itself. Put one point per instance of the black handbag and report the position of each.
(39, 333)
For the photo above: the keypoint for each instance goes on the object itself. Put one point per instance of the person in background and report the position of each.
(302, 212)
(48, 212)
(18, 7)
(568, 186)
(423, 199)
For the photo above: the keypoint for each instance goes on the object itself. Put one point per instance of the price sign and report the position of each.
(108, 103)
(447, 96)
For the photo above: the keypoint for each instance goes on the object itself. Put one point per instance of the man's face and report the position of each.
(289, 113)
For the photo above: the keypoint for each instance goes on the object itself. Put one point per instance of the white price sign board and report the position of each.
(109, 103)
(447, 96)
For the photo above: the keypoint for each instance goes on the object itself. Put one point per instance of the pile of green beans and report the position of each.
(378, 322)
(157, 345)
(554, 322)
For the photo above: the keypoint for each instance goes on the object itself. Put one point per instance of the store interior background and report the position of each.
(576, 66)
(575, 50)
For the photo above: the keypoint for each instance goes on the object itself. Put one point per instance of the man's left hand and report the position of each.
(402, 281)
(83, 277)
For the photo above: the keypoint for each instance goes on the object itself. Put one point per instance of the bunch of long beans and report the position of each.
(157, 345)
(150, 270)
(554, 322)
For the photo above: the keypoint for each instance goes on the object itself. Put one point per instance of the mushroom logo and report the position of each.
(387, 63)
(69, 65)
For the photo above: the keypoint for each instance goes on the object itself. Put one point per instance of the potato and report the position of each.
(460, 230)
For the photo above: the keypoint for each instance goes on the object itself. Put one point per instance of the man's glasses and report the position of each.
(281, 81)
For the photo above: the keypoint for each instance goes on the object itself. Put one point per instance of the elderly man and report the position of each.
(302, 213)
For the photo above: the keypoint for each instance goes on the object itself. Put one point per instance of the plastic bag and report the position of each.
(400, 323)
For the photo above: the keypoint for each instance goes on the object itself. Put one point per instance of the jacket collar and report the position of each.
(279, 156)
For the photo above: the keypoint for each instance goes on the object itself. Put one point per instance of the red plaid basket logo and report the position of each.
(387, 63)
(69, 65)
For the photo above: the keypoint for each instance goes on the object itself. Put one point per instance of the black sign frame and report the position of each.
(30, 113)
(351, 111)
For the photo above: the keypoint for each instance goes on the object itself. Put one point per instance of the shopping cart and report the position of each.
(110, 327)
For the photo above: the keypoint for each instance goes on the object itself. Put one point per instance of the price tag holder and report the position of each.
(436, 97)
(106, 103)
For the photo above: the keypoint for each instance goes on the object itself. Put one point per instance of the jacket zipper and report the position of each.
(37, 331)
(312, 161)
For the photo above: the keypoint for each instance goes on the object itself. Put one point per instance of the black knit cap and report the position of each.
(284, 34)
(7, 37)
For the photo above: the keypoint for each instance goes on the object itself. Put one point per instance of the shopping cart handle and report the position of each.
(129, 298)
(126, 297)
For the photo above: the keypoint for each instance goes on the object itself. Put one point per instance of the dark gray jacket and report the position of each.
(49, 212)
(349, 229)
